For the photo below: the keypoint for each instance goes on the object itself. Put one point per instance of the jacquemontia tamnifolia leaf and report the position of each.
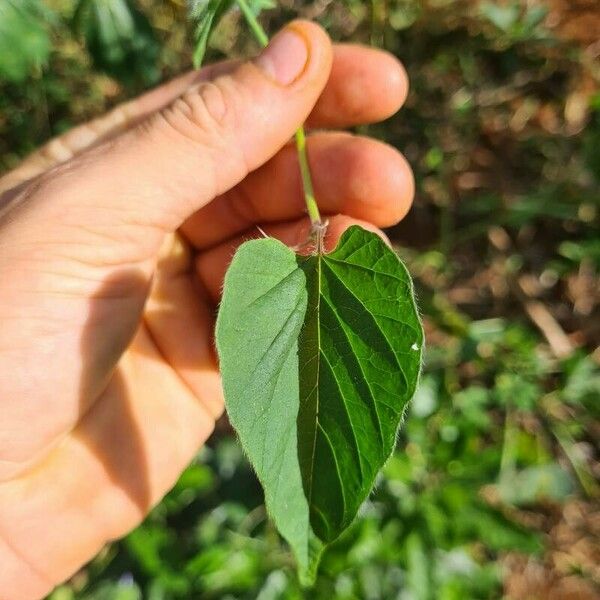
(319, 357)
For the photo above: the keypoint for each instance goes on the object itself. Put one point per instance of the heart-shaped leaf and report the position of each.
(319, 357)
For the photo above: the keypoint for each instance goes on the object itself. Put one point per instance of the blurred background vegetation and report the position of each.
(493, 491)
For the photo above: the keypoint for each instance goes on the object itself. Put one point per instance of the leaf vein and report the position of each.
(377, 325)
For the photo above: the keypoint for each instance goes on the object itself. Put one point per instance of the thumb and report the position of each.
(204, 142)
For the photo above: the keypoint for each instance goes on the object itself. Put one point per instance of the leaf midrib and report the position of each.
(318, 353)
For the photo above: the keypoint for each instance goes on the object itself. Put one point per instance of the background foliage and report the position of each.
(494, 487)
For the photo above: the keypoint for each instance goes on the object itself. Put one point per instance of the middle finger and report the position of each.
(356, 176)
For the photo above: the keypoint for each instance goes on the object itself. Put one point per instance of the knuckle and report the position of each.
(203, 113)
(213, 102)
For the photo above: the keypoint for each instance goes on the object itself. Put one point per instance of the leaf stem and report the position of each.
(309, 194)
(259, 33)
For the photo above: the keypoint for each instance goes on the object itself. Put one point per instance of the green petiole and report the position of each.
(309, 194)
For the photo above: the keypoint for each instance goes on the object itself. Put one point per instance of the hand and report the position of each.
(114, 240)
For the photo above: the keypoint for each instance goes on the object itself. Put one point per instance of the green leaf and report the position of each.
(257, 6)
(419, 566)
(535, 484)
(207, 14)
(319, 357)
(503, 17)
(261, 315)
(24, 41)
(360, 360)
(119, 38)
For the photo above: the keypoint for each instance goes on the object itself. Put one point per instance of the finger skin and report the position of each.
(366, 85)
(180, 320)
(212, 264)
(127, 450)
(352, 175)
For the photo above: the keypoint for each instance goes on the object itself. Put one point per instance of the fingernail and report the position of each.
(285, 57)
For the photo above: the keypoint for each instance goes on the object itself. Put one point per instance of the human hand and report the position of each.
(114, 240)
